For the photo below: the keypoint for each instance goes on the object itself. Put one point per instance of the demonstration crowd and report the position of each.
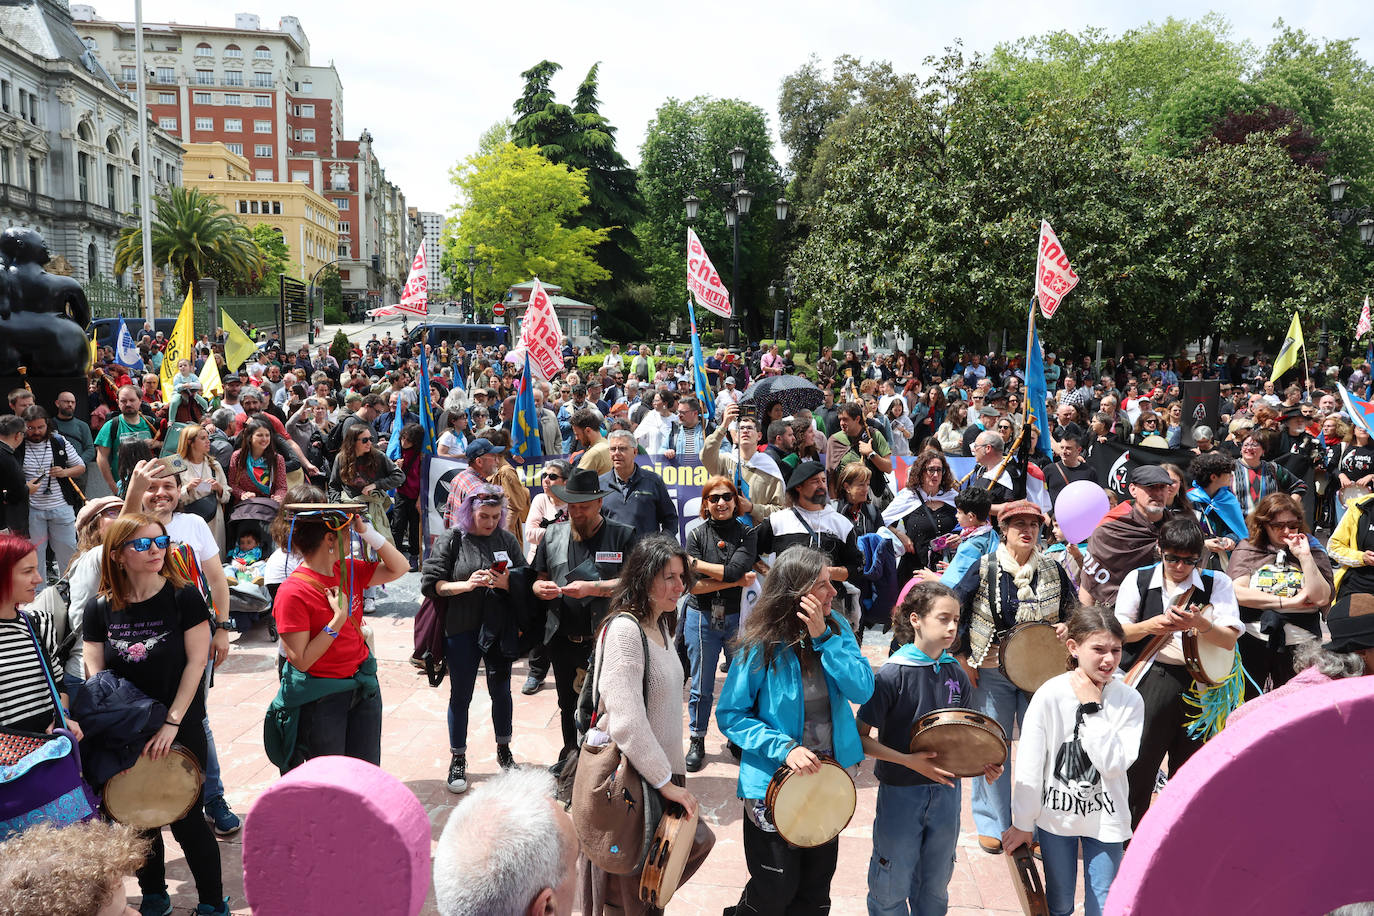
(300, 483)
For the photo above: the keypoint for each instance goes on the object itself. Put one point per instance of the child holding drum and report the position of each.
(786, 704)
(916, 826)
(1080, 736)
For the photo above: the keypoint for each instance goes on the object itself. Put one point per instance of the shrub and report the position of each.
(340, 347)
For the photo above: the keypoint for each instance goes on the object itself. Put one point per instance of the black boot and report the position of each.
(696, 754)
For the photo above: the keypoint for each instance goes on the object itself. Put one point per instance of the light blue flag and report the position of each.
(126, 354)
(1036, 391)
(524, 440)
(393, 445)
(427, 422)
(703, 387)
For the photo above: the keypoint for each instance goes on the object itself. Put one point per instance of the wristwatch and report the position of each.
(1088, 709)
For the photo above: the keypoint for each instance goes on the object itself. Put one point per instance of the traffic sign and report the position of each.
(499, 310)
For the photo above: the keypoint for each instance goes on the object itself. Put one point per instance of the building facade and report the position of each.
(256, 90)
(307, 220)
(432, 226)
(69, 154)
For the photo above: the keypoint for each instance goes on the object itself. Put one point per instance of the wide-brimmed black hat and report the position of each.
(1351, 622)
(804, 472)
(583, 486)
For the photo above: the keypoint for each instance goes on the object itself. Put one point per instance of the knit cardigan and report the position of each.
(647, 728)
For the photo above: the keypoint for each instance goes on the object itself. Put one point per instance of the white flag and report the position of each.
(415, 296)
(1364, 327)
(703, 282)
(1054, 275)
(540, 334)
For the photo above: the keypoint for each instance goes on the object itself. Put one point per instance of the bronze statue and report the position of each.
(43, 316)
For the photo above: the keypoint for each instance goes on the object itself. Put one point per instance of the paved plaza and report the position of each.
(415, 750)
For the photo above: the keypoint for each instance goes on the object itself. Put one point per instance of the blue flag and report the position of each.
(393, 445)
(458, 375)
(703, 387)
(427, 422)
(1036, 392)
(126, 354)
(524, 440)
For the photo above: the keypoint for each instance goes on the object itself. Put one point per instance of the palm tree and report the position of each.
(196, 235)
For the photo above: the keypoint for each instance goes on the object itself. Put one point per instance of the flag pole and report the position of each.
(1307, 370)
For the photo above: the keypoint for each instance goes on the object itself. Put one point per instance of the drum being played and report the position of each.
(1025, 877)
(1031, 654)
(154, 793)
(810, 809)
(964, 741)
(667, 857)
(1208, 663)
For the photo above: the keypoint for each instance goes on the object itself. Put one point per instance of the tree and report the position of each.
(1283, 124)
(686, 151)
(580, 137)
(276, 257)
(196, 235)
(517, 209)
(330, 291)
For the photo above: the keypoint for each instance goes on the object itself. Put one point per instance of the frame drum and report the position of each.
(1031, 654)
(1025, 877)
(810, 809)
(668, 853)
(962, 739)
(154, 793)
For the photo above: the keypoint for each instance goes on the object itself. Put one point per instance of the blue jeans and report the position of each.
(704, 645)
(1000, 699)
(1101, 861)
(55, 528)
(213, 787)
(914, 835)
(463, 656)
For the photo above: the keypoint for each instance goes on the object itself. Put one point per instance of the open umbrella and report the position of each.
(792, 391)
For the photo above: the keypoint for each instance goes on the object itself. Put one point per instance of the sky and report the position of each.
(428, 78)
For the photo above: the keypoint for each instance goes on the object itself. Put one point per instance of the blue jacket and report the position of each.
(967, 555)
(762, 711)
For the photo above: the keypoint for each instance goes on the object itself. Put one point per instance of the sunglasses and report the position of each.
(551, 477)
(143, 544)
(720, 497)
(1185, 561)
(1286, 526)
(364, 439)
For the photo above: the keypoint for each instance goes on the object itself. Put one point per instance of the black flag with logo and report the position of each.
(1115, 461)
(1201, 402)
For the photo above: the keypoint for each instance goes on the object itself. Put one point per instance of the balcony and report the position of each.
(43, 205)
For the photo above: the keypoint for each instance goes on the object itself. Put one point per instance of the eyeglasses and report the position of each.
(142, 544)
(112, 512)
(1285, 525)
(551, 477)
(1185, 561)
(933, 469)
(720, 497)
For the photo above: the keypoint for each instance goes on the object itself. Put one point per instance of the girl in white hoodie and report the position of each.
(1080, 735)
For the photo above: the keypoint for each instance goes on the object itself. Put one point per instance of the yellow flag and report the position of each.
(210, 384)
(238, 346)
(1289, 352)
(93, 352)
(182, 345)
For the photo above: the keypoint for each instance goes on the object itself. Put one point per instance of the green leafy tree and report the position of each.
(276, 257)
(330, 290)
(687, 151)
(197, 236)
(517, 209)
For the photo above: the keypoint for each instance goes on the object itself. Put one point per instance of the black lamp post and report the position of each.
(738, 199)
(472, 262)
(310, 329)
(1361, 216)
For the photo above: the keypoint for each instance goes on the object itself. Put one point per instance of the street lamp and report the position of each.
(472, 263)
(1336, 187)
(310, 330)
(738, 200)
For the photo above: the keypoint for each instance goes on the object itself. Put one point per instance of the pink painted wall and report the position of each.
(336, 835)
(1270, 818)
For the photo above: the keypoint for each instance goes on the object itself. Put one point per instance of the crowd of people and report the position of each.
(820, 532)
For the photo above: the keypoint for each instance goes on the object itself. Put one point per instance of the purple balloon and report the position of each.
(1080, 508)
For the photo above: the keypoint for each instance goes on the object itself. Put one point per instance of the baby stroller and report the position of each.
(248, 602)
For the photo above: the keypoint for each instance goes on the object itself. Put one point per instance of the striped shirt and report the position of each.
(23, 688)
(38, 463)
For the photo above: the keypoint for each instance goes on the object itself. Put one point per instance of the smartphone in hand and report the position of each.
(500, 566)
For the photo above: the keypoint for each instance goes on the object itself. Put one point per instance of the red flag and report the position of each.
(540, 334)
(703, 282)
(415, 297)
(1364, 327)
(1054, 276)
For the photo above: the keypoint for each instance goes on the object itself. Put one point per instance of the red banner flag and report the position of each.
(540, 334)
(703, 282)
(415, 296)
(1364, 327)
(1054, 276)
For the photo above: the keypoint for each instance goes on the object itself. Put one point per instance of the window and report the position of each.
(5, 175)
(253, 205)
(203, 50)
(205, 123)
(341, 203)
(236, 148)
(233, 98)
(262, 175)
(338, 181)
(262, 101)
(23, 104)
(165, 75)
(233, 125)
(205, 77)
(200, 98)
(308, 135)
(262, 151)
(128, 74)
(243, 206)
(233, 77)
(302, 177)
(138, 200)
(262, 80)
(344, 226)
(167, 123)
(233, 51)
(262, 127)
(171, 173)
(344, 252)
(111, 183)
(306, 111)
(276, 208)
(262, 52)
(307, 87)
(83, 181)
(166, 98)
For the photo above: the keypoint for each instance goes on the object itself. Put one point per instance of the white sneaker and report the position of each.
(369, 605)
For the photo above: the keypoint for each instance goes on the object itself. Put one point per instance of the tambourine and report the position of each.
(334, 515)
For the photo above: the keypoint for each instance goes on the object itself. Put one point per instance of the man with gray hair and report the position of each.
(988, 448)
(638, 497)
(507, 850)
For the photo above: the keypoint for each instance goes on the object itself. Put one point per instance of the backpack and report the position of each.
(334, 441)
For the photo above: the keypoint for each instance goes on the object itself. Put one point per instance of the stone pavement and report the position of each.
(415, 750)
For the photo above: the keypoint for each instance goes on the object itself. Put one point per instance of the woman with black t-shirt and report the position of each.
(150, 627)
(1357, 463)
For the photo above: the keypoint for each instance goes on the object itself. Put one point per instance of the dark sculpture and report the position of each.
(43, 316)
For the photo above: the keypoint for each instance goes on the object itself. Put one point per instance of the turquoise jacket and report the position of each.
(762, 711)
(298, 688)
(968, 554)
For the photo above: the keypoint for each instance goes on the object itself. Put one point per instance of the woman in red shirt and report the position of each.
(329, 690)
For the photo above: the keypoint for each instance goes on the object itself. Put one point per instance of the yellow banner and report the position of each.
(182, 345)
(238, 346)
(1289, 353)
(210, 384)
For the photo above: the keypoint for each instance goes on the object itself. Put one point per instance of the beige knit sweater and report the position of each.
(649, 731)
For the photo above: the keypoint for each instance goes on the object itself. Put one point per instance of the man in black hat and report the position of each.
(808, 518)
(636, 496)
(1297, 447)
(578, 563)
(1128, 542)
